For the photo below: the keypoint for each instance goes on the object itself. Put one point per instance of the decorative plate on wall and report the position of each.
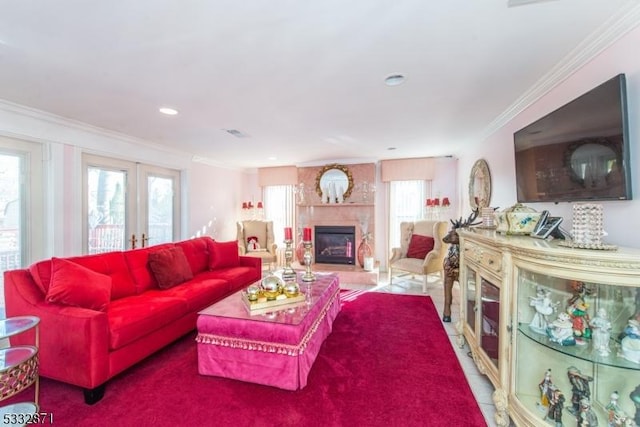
(480, 185)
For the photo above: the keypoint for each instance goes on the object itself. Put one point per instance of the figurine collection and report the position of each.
(575, 326)
(553, 402)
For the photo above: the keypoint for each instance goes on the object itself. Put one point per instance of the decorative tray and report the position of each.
(576, 245)
(262, 304)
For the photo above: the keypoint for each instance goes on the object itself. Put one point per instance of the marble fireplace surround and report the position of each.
(352, 212)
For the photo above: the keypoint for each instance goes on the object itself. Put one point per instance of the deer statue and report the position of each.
(451, 263)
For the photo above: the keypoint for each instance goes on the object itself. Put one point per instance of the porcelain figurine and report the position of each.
(579, 388)
(561, 330)
(601, 332)
(586, 416)
(556, 405)
(631, 342)
(614, 413)
(543, 307)
(544, 387)
(635, 398)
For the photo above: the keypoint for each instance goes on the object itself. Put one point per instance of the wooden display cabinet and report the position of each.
(503, 281)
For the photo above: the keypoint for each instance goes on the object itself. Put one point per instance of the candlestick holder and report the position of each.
(308, 276)
(288, 274)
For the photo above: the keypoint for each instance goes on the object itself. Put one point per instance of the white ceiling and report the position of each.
(301, 79)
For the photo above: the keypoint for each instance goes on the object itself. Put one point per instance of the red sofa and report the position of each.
(101, 314)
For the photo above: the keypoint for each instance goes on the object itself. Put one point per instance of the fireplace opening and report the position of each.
(335, 244)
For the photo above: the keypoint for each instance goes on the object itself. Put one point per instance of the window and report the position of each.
(279, 207)
(406, 203)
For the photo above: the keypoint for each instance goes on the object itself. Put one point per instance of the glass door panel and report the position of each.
(470, 284)
(490, 296)
(106, 210)
(10, 217)
(160, 217)
(21, 207)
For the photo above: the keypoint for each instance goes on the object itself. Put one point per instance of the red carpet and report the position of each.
(388, 362)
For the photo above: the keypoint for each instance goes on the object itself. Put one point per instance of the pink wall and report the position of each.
(497, 149)
(215, 199)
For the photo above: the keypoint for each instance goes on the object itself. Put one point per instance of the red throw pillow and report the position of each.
(169, 267)
(420, 246)
(73, 284)
(223, 254)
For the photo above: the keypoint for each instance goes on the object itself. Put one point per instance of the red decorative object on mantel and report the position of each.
(306, 234)
(446, 202)
(288, 234)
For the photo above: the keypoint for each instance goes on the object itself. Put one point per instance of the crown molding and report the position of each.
(76, 125)
(624, 20)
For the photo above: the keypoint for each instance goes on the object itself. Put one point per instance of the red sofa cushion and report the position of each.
(138, 262)
(420, 246)
(112, 264)
(73, 284)
(223, 254)
(198, 293)
(139, 315)
(236, 277)
(197, 253)
(169, 267)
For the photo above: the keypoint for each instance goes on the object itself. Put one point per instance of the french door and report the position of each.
(21, 207)
(128, 205)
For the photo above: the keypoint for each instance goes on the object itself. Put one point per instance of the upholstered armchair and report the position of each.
(256, 239)
(421, 250)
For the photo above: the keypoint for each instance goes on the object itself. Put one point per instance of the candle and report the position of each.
(428, 202)
(436, 202)
(445, 201)
(288, 235)
(260, 205)
(244, 205)
(306, 234)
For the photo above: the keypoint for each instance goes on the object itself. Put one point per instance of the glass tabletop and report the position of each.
(15, 325)
(18, 414)
(232, 306)
(13, 356)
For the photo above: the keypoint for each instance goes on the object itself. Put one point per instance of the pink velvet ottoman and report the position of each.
(276, 349)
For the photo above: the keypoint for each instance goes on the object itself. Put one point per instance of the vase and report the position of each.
(365, 255)
(300, 251)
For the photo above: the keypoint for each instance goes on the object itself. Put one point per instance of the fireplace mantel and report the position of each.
(314, 212)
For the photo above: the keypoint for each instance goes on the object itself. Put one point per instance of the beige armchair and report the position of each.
(432, 261)
(256, 239)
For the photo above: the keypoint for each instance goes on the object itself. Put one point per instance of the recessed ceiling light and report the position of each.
(168, 111)
(394, 80)
(273, 158)
(391, 148)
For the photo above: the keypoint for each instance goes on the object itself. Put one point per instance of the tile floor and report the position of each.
(480, 384)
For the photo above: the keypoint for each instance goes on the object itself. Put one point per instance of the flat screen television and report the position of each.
(579, 152)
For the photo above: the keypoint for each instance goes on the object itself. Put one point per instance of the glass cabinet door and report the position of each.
(577, 349)
(490, 313)
(470, 292)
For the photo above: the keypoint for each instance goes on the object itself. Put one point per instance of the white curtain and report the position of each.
(279, 207)
(406, 203)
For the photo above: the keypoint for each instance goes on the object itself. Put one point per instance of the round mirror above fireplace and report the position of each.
(334, 176)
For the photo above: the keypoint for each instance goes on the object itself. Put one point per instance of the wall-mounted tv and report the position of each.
(579, 152)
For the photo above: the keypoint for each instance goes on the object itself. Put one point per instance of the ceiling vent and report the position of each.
(513, 3)
(236, 133)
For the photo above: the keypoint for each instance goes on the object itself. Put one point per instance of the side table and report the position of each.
(19, 364)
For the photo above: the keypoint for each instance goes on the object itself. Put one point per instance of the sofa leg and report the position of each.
(93, 395)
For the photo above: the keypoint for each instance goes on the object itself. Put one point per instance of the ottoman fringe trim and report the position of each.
(270, 347)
